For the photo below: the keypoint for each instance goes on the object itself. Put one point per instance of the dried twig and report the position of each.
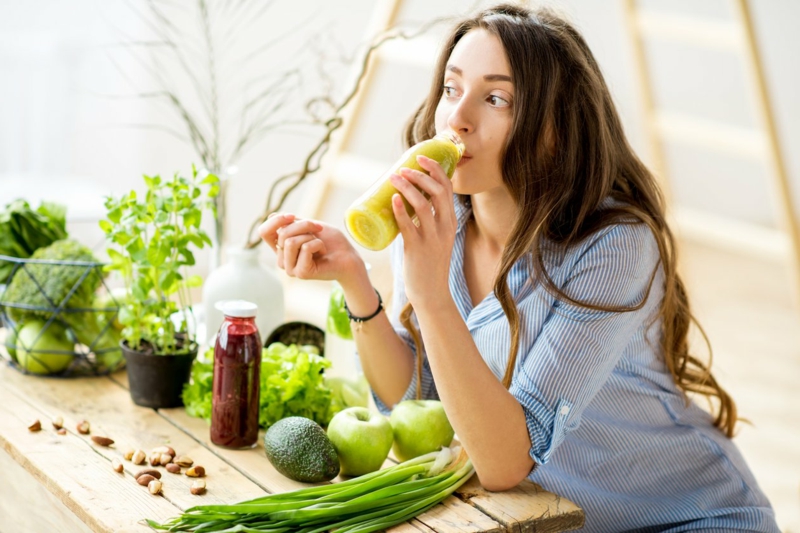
(333, 123)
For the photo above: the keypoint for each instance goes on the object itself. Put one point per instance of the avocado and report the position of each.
(299, 449)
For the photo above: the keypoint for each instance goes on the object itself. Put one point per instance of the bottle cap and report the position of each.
(239, 308)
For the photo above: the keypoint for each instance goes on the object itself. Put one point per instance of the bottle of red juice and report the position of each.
(237, 367)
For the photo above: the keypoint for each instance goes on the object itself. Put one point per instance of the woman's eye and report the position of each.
(497, 101)
(449, 91)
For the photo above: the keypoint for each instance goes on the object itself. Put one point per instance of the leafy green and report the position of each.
(23, 230)
(292, 384)
(153, 237)
(197, 393)
(338, 322)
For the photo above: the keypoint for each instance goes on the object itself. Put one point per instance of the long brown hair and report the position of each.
(561, 99)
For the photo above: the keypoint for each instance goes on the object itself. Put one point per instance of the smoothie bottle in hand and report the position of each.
(370, 219)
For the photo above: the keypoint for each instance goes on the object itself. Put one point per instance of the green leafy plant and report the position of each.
(152, 240)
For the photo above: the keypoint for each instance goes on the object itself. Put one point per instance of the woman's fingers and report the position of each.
(291, 249)
(404, 222)
(413, 196)
(298, 227)
(268, 231)
(306, 265)
(443, 199)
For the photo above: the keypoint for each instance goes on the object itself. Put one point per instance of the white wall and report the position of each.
(63, 113)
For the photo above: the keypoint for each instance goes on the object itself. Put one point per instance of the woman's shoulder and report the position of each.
(625, 248)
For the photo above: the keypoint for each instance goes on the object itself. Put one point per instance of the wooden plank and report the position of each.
(525, 508)
(23, 498)
(110, 411)
(71, 469)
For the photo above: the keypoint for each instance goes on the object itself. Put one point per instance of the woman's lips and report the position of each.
(464, 159)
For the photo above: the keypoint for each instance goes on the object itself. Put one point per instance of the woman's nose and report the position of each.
(460, 118)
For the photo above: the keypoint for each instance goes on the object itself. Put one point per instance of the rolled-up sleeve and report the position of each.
(578, 348)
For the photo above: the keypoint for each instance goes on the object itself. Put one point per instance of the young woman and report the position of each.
(539, 295)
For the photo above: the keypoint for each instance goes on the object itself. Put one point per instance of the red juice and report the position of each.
(237, 368)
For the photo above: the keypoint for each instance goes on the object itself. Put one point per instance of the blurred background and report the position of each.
(96, 94)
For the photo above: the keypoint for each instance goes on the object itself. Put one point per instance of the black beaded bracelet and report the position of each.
(361, 319)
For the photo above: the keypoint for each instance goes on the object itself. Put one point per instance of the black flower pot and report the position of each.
(157, 380)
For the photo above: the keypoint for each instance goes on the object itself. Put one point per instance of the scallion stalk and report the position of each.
(360, 505)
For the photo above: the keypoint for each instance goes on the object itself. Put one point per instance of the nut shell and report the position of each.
(35, 426)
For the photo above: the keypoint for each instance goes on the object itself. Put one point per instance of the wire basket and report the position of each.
(59, 335)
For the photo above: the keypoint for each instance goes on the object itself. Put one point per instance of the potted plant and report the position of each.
(152, 238)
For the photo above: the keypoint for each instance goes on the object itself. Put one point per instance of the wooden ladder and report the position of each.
(761, 144)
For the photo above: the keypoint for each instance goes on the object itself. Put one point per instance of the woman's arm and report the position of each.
(386, 359)
(309, 249)
(489, 421)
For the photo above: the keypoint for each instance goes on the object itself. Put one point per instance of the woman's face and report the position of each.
(477, 99)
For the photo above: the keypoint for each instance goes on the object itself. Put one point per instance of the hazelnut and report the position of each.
(83, 427)
(36, 426)
(154, 459)
(165, 459)
(58, 422)
(61, 431)
(128, 455)
(116, 465)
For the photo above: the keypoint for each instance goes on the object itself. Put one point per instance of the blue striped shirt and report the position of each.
(609, 428)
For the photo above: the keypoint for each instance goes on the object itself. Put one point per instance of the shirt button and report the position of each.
(564, 411)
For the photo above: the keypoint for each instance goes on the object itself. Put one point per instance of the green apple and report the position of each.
(362, 440)
(420, 427)
(11, 342)
(43, 351)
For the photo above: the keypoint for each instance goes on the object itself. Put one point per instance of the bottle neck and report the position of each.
(240, 320)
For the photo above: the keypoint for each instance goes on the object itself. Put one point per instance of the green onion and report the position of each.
(364, 504)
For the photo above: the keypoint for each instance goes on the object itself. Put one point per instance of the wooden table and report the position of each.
(65, 483)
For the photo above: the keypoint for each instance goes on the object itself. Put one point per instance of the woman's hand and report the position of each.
(309, 249)
(428, 245)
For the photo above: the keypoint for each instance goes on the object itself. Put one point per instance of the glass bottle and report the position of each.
(237, 368)
(370, 219)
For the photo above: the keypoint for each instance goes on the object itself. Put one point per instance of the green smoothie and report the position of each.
(370, 220)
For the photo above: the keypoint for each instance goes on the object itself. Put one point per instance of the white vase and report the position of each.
(243, 278)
